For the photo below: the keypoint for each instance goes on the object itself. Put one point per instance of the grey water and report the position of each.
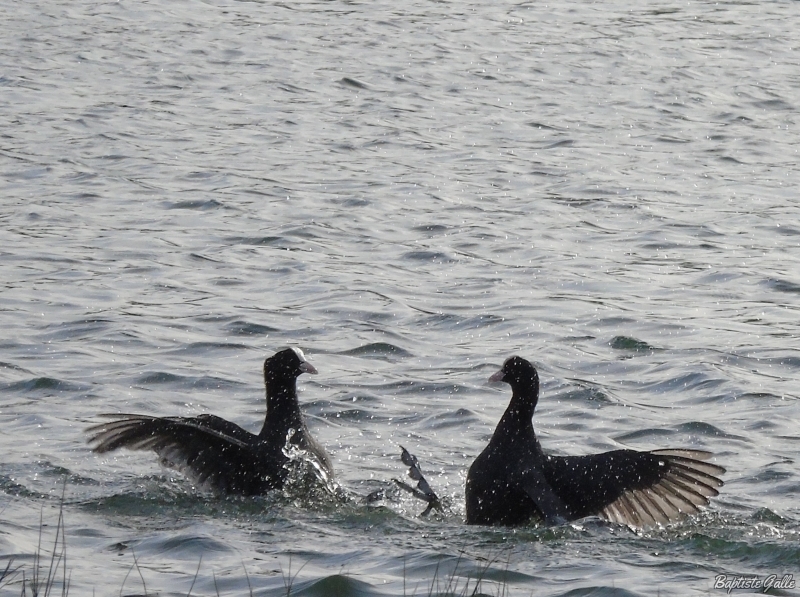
(409, 192)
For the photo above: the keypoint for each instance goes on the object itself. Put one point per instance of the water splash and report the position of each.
(308, 479)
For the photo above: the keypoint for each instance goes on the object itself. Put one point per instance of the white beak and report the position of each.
(307, 367)
(498, 376)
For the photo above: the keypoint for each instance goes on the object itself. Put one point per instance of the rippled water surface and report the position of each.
(410, 192)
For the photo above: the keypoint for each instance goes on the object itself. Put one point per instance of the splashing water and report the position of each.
(307, 477)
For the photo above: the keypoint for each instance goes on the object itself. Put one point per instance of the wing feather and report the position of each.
(211, 450)
(639, 489)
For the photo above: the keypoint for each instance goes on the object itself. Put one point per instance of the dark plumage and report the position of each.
(219, 454)
(513, 481)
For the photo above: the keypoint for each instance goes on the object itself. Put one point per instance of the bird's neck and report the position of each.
(517, 421)
(283, 410)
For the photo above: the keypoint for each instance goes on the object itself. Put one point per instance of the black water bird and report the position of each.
(219, 454)
(513, 481)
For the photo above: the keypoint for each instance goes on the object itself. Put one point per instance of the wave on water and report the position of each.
(196, 204)
(184, 382)
(631, 344)
(43, 386)
(378, 350)
(242, 327)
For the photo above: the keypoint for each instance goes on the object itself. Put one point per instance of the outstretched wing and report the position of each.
(638, 489)
(214, 452)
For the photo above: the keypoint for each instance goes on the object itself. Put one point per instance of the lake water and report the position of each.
(410, 194)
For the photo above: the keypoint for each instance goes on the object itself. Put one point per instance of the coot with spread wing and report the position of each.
(219, 454)
(514, 481)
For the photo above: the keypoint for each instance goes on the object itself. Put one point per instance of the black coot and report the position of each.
(219, 454)
(513, 481)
